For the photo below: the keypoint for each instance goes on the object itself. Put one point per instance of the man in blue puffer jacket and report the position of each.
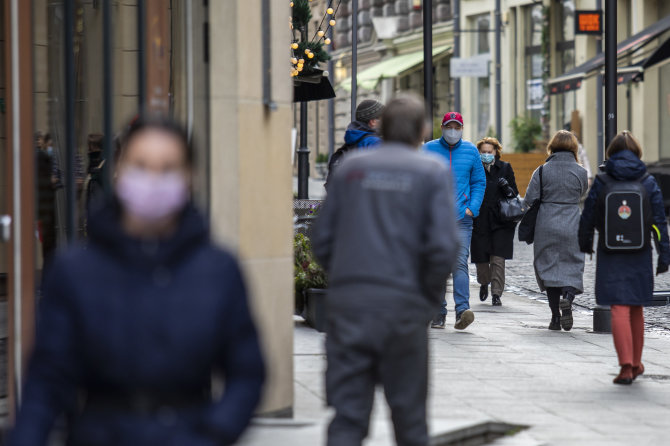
(467, 171)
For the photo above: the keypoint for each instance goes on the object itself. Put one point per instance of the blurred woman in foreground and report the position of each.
(133, 327)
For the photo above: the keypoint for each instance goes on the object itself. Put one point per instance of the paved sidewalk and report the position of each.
(508, 367)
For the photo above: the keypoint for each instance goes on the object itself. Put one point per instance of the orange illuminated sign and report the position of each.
(588, 22)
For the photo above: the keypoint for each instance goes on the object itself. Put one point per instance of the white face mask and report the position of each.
(452, 136)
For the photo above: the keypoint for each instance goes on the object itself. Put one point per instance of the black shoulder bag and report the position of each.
(510, 207)
(527, 225)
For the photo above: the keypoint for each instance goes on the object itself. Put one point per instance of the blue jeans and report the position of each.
(460, 273)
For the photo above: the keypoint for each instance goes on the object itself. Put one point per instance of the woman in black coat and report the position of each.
(492, 239)
(625, 279)
(133, 326)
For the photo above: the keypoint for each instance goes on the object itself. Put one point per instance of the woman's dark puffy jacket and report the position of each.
(126, 325)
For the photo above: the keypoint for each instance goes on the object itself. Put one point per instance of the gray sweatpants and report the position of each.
(365, 349)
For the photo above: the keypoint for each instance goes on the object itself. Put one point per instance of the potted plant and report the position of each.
(322, 165)
(310, 284)
(526, 132)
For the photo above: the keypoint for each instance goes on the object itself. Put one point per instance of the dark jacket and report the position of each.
(95, 192)
(387, 234)
(624, 278)
(46, 204)
(122, 319)
(490, 236)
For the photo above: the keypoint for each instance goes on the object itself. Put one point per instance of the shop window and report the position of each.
(534, 62)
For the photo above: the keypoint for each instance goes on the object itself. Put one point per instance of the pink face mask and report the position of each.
(149, 196)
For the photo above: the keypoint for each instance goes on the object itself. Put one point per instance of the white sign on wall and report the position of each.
(477, 66)
(535, 91)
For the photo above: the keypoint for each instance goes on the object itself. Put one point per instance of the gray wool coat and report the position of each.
(558, 261)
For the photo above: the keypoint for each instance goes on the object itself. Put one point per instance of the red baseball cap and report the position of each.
(452, 116)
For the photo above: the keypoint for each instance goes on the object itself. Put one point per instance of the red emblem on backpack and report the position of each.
(624, 211)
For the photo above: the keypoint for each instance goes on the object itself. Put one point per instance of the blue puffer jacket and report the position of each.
(124, 321)
(468, 172)
(362, 136)
(625, 278)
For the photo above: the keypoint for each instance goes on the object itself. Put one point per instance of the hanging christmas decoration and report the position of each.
(307, 53)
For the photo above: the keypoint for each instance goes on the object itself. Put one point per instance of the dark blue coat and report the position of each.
(122, 316)
(625, 278)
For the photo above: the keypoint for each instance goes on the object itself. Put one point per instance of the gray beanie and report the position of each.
(368, 110)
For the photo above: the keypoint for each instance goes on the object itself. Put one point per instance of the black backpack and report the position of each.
(336, 157)
(624, 217)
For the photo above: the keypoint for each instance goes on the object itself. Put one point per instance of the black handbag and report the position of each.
(511, 209)
(527, 225)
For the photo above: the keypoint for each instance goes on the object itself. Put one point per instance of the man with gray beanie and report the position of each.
(360, 134)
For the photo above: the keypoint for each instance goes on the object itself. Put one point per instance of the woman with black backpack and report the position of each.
(626, 206)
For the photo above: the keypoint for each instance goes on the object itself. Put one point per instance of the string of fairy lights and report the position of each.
(307, 54)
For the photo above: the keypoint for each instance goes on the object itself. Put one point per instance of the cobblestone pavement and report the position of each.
(520, 279)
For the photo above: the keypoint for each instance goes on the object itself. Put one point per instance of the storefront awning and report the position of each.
(390, 68)
(635, 72)
(572, 80)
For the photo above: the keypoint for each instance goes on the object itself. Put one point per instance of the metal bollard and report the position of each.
(602, 319)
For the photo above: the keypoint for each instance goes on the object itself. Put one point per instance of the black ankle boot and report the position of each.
(483, 292)
(566, 310)
(496, 301)
(555, 323)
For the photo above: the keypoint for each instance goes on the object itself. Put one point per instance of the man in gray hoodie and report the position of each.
(387, 237)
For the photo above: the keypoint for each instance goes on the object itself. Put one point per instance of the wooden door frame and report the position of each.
(21, 271)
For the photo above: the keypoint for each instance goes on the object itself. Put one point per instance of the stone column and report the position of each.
(250, 153)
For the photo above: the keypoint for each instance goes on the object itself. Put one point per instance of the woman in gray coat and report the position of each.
(559, 264)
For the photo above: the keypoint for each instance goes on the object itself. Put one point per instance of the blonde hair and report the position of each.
(492, 141)
(563, 141)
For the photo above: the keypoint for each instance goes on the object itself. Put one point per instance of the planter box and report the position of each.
(315, 312)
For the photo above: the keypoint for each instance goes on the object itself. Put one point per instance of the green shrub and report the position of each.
(525, 131)
(322, 158)
(307, 272)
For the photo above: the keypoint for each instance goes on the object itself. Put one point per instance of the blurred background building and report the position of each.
(538, 47)
(200, 61)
